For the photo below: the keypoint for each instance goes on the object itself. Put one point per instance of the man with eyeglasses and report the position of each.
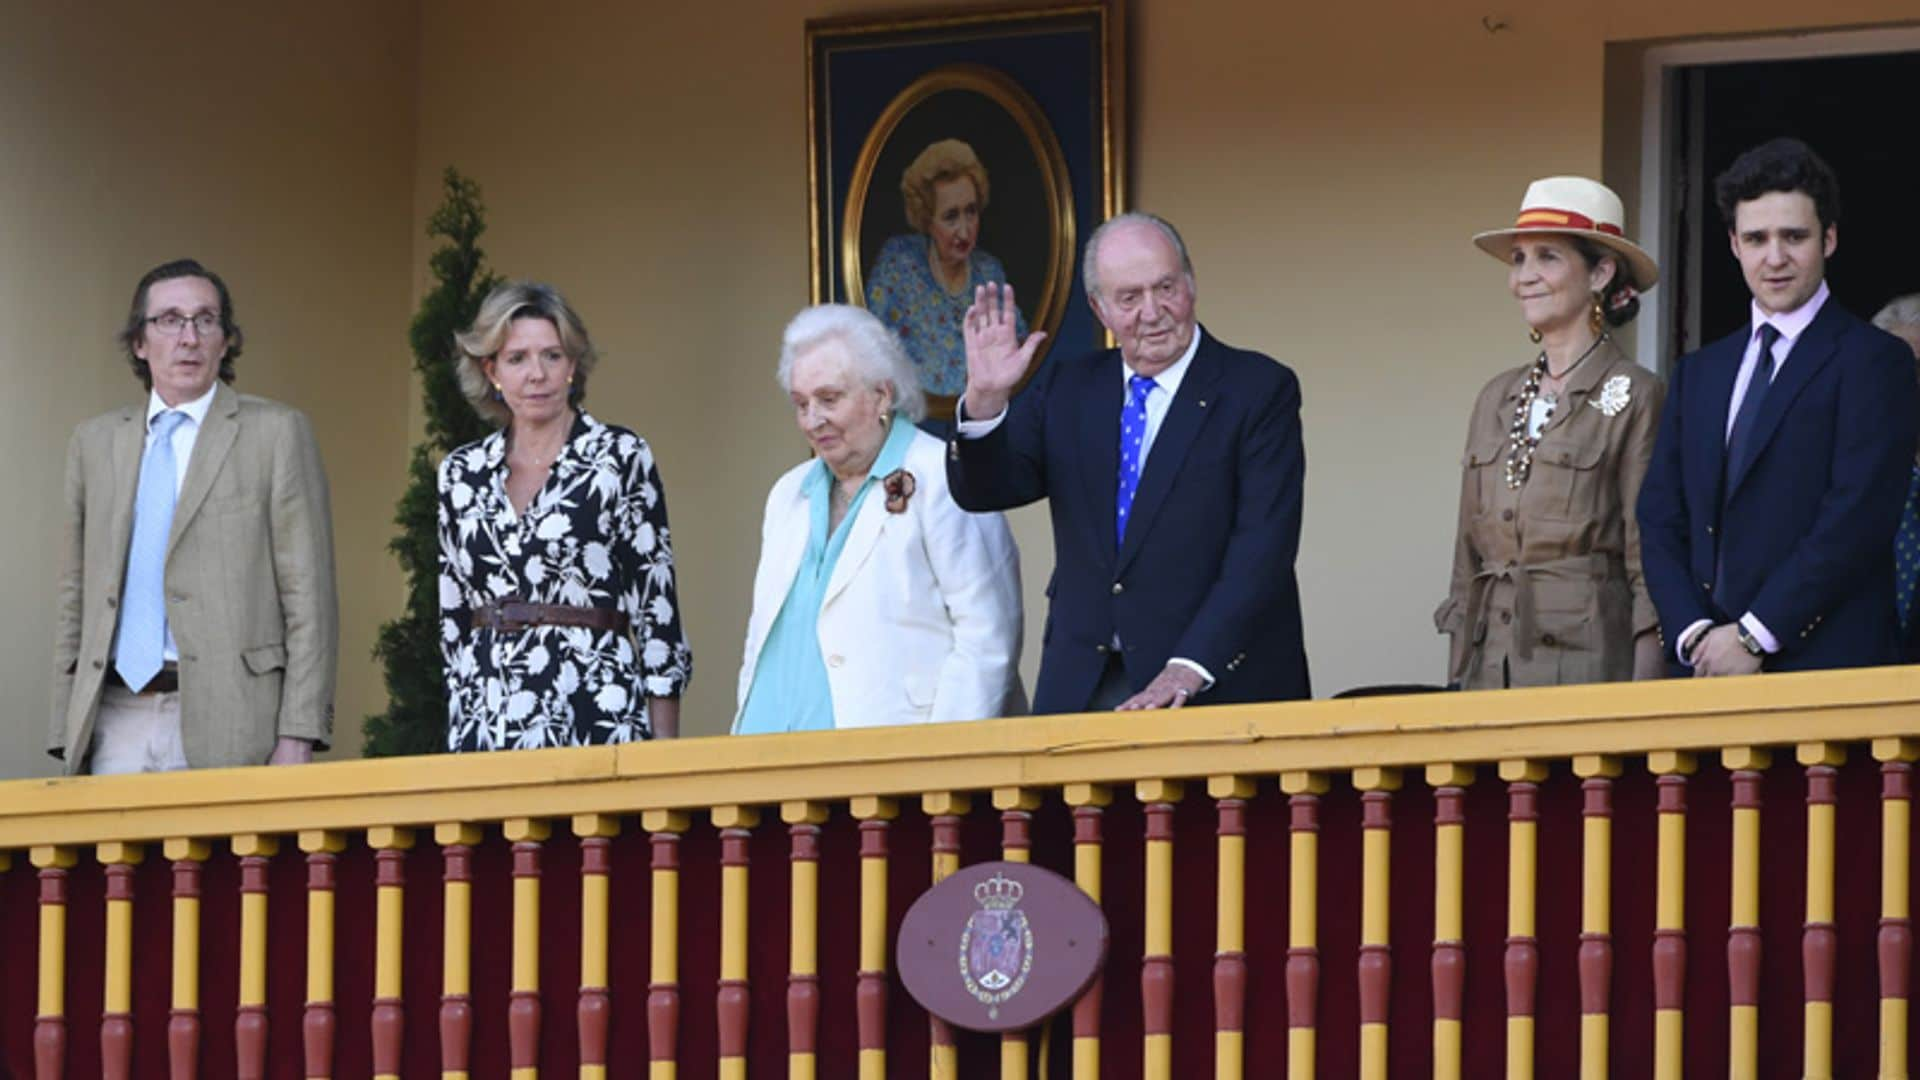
(197, 624)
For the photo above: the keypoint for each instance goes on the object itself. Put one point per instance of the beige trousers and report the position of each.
(137, 733)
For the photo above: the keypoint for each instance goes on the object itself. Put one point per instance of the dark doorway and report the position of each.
(1857, 113)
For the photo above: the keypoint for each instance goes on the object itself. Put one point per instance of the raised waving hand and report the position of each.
(996, 358)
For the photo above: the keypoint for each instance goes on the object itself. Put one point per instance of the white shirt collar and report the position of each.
(1791, 324)
(1169, 380)
(195, 410)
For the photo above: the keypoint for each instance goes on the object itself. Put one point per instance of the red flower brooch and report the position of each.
(898, 485)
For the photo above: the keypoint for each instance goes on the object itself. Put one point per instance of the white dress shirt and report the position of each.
(184, 436)
(1792, 325)
(1159, 400)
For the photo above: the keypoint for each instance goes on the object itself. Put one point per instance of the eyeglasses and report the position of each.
(206, 322)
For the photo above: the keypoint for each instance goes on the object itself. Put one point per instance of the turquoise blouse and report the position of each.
(790, 691)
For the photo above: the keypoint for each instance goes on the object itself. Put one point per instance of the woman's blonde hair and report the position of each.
(482, 341)
(948, 159)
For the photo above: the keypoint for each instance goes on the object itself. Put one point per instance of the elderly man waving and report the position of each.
(1173, 469)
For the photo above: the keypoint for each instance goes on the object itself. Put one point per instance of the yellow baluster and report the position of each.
(1016, 806)
(322, 848)
(457, 841)
(1376, 786)
(1596, 772)
(1449, 967)
(50, 1024)
(1156, 961)
(390, 846)
(523, 1000)
(874, 814)
(1818, 940)
(1670, 915)
(946, 809)
(736, 830)
(803, 819)
(1895, 939)
(116, 1021)
(1743, 932)
(255, 853)
(188, 856)
(664, 828)
(1522, 961)
(1230, 793)
(594, 1013)
(1303, 919)
(1088, 802)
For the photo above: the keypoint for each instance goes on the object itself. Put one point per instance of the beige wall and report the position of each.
(1327, 165)
(272, 142)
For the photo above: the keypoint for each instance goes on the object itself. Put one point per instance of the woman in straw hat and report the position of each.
(1547, 587)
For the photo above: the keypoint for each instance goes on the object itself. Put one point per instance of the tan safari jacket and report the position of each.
(1547, 587)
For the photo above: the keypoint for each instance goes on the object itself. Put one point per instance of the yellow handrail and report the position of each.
(1835, 706)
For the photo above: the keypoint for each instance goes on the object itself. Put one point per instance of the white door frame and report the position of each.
(1656, 111)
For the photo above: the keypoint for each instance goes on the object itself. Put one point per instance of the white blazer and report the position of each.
(921, 621)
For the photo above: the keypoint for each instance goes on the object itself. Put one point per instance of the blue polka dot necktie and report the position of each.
(1133, 435)
(1906, 552)
(140, 642)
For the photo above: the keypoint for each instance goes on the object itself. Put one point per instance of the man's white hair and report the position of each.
(1900, 311)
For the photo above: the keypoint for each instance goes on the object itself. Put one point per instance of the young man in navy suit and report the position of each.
(1172, 467)
(1768, 513)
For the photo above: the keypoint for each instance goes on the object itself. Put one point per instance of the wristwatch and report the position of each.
(1748, 641)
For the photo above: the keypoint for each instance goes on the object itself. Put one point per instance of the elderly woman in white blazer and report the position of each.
(877, 599)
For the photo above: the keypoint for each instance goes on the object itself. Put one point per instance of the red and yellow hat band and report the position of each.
(1565, 219)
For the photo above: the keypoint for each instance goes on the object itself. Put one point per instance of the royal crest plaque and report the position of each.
(1001, 946)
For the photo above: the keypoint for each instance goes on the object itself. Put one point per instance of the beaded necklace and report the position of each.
(1520, 444)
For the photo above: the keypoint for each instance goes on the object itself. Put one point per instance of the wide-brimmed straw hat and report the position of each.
(1575, 206)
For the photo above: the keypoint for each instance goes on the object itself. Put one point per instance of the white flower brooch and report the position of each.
(1614, 396)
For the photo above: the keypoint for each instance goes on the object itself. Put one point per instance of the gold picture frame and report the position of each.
(1040, 90)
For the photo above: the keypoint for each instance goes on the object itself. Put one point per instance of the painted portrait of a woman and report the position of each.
(923, 281)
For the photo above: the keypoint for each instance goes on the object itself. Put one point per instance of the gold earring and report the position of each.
(1533, 335)
(1598, 318)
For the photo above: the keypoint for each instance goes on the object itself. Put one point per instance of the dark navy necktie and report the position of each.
(1906, 553)
(1133, 436)
(1739, 440)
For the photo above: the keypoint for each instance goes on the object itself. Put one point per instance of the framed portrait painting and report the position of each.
(950, 151)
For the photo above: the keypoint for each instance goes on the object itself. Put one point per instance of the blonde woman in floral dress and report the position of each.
(1547, 587)
(560, 624)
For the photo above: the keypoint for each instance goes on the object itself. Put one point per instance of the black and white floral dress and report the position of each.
(594, 536)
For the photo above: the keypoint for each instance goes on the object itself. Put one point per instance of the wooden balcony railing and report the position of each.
(1693, 878)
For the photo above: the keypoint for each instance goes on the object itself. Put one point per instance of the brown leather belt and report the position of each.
(166, 681)
(519, 615)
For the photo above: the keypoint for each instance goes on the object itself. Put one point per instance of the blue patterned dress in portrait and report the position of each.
(902, 291)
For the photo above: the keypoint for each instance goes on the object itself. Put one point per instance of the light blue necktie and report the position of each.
(1133, 435)
(140, 642)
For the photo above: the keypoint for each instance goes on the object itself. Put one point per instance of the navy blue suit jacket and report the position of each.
(1803, 537)
(1206, 572)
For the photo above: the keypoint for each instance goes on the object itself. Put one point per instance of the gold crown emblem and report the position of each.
(998, 893)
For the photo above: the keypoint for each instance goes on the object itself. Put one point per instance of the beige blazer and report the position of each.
(1546, 586)
(249, 580)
